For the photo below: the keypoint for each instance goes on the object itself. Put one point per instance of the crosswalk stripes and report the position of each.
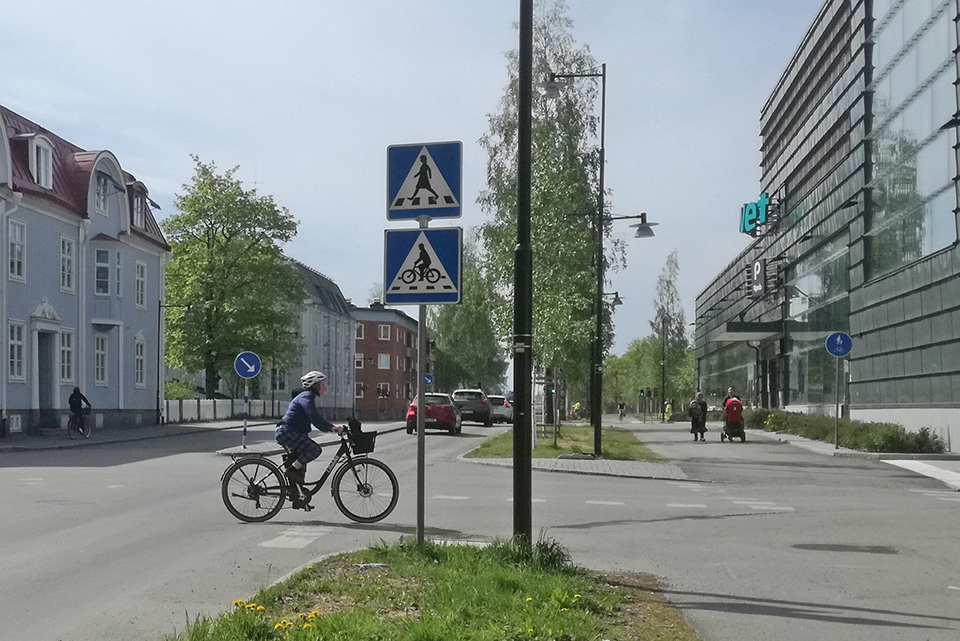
(296, 538)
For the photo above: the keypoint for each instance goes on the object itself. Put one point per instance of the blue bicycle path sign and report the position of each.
(422, 266)
(839, 344)
(247, 364)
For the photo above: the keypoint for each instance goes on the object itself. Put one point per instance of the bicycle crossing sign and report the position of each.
(422, 266)
(424, 179)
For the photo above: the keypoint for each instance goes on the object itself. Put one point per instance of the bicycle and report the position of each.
(254, 488)
(73, 425)
(432, 275)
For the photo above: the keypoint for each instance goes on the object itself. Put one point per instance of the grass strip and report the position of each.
(618, 444)
(432, 592)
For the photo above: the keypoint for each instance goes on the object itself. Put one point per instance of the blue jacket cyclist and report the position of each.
(293, 432)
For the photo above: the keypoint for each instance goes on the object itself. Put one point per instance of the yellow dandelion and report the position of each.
(260, 608)
(251, 606)
(238, 603)
(307, 625)
(529, 598)
(277, 627)
(563, 609)
(530, 630)
(576, 596)
(309, 567)
(311, 617)
(315, 613)
(302, 615)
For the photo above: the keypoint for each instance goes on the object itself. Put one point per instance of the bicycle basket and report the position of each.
(362, 442)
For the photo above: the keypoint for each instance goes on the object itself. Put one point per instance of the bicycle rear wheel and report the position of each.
(253, 489)
(365, 490)
(72, 427)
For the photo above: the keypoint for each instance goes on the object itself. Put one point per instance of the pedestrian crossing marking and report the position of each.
(411, 279)
(424, 187)
(296, 538)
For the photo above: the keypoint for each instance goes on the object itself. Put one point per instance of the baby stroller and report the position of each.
(733, 425)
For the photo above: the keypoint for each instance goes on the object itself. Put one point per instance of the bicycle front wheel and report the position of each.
(85, 430)
(365, 490)
(253, 489)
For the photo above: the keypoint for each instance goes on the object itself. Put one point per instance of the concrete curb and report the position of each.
(827, 449)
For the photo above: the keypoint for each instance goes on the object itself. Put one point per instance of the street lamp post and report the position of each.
(552, 90)
(161, 357)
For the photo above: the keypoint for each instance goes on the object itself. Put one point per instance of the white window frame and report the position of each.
(358, 390)
(385, 387)
(41, 162)
(139, 210)
(381, 334)
(381, 358)
(66, 356)
(97, 265)
(140, 274)
(278, 377)
(68, 252)
(359, 335)
(117, 274)
(101, 344)
(358, 361)
(16, 342)
(17, 265)
(102, 191)
(140, 363)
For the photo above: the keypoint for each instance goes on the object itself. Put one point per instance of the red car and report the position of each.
(441, 414)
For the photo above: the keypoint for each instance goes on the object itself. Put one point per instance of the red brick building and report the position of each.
(385, 361)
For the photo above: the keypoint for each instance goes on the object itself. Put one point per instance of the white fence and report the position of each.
(185, 410)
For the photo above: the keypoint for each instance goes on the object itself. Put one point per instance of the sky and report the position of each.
(305, 96)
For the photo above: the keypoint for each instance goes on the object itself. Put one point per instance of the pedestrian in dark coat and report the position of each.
(698, 417)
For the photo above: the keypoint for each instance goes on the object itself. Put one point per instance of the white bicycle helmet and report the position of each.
(310, 379)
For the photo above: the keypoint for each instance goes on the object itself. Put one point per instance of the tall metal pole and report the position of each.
(596, 374)
(523, 292)
(663, 371)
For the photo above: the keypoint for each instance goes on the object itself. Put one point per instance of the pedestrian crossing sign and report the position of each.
(424, 179)
(422, 266)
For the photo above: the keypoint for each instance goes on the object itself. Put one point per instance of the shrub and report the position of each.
(858, 435)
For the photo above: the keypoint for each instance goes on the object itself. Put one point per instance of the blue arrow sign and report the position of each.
(247, 364)
(839, 344)
(422, 266)
(424, 180)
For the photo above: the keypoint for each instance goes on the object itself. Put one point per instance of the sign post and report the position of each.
(422, 266)
(247, 365)
(838, 344)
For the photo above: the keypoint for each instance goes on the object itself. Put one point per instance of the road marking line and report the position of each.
(444, 497)
(775, 508)
(754, 502)
(605, 503)
(296, 538)
(686, 505)
(737, 498)
(114, 487)
(944, 498)
(952, 587)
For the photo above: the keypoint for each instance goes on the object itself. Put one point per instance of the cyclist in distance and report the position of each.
(76, 407)
(293, 432)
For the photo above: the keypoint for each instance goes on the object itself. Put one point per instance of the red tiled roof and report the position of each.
(72, 167)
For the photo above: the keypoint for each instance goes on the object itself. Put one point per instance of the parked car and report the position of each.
(441, 414)
(474, 406)
(502, 410)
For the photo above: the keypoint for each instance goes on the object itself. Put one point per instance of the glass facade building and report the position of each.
(859, 166)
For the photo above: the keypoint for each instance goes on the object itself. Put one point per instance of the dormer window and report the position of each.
(41, 162)
(102, 186)
(139, 210)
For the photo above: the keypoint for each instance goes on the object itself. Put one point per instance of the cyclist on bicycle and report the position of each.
(293, 432)
(76, 401)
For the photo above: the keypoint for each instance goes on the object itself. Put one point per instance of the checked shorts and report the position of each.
(305, 448)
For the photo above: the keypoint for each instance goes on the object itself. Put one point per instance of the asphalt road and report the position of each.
(130, 541)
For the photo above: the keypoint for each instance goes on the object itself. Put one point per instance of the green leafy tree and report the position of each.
(467, 345)
(233, 288)
(564, 201)
(670, 329)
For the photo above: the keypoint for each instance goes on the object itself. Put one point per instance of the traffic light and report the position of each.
(641, 393)
(656, 392)
(649, 392)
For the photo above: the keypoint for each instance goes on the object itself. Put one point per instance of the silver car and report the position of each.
(502, 411)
